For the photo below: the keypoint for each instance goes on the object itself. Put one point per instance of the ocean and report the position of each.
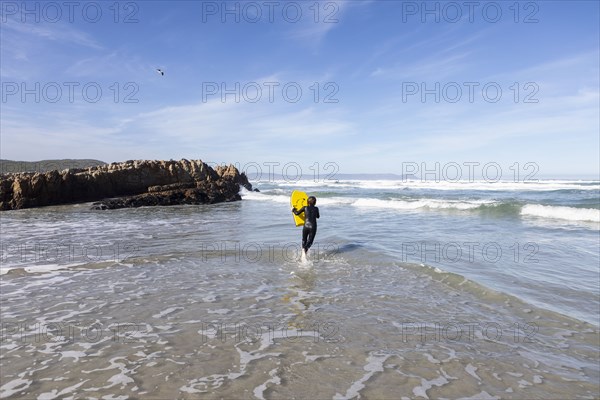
(413, 289)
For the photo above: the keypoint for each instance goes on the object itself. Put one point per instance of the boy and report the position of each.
(311, 213)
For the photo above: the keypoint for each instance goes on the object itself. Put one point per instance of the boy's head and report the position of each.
(312, 200)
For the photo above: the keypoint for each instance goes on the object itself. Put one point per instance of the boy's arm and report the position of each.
(298, 212)
(318, 215)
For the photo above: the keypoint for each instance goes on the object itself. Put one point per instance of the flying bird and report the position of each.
(160, 71)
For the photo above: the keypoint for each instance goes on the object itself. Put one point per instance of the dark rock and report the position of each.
(129, 184)
(174, 186)
(17, 272)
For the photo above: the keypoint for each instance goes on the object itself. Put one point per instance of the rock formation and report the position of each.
(127, 184)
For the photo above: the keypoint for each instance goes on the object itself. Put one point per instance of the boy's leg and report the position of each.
(311, 237)
(305, 233)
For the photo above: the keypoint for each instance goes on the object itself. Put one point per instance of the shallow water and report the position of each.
(212, 302)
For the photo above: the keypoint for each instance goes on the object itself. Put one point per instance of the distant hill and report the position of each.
(10, 166)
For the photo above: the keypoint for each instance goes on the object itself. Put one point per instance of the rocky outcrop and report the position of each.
(127, 184)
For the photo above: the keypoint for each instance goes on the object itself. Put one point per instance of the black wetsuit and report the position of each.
(309, 231)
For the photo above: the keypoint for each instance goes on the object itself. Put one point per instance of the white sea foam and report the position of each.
(40, 268)
(120, 378)
(483, 185)
(166, 312)
(361, 202)
(421, 391)
(560, 212)
(55, 393)
(260, 390)
(471, 370)
(421, 204)
(374, 364)
(333, 201)
(481, 396)
(267, 339)
(14, 386)
(247, 195)
(76, 355)
(221, 311)
(535, 210)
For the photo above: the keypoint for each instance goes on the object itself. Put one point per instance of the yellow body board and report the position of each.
(298, 200)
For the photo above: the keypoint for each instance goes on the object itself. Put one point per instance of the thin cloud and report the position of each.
(431, 67)
(115, 63)
(56, 32)
(24, 45)
(239, 122)
(318, 20)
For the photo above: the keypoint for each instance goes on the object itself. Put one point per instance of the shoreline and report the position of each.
(179, 319)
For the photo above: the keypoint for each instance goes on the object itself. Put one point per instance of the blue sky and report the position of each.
(387, 74)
